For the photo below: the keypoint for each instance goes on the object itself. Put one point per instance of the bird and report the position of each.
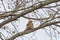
(29, 25)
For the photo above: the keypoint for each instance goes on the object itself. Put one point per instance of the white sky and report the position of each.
(39, 34)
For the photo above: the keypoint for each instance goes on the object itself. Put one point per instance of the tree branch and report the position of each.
(29, 31)
(40, 5)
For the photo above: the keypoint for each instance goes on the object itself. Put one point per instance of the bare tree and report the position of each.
(45, 12)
